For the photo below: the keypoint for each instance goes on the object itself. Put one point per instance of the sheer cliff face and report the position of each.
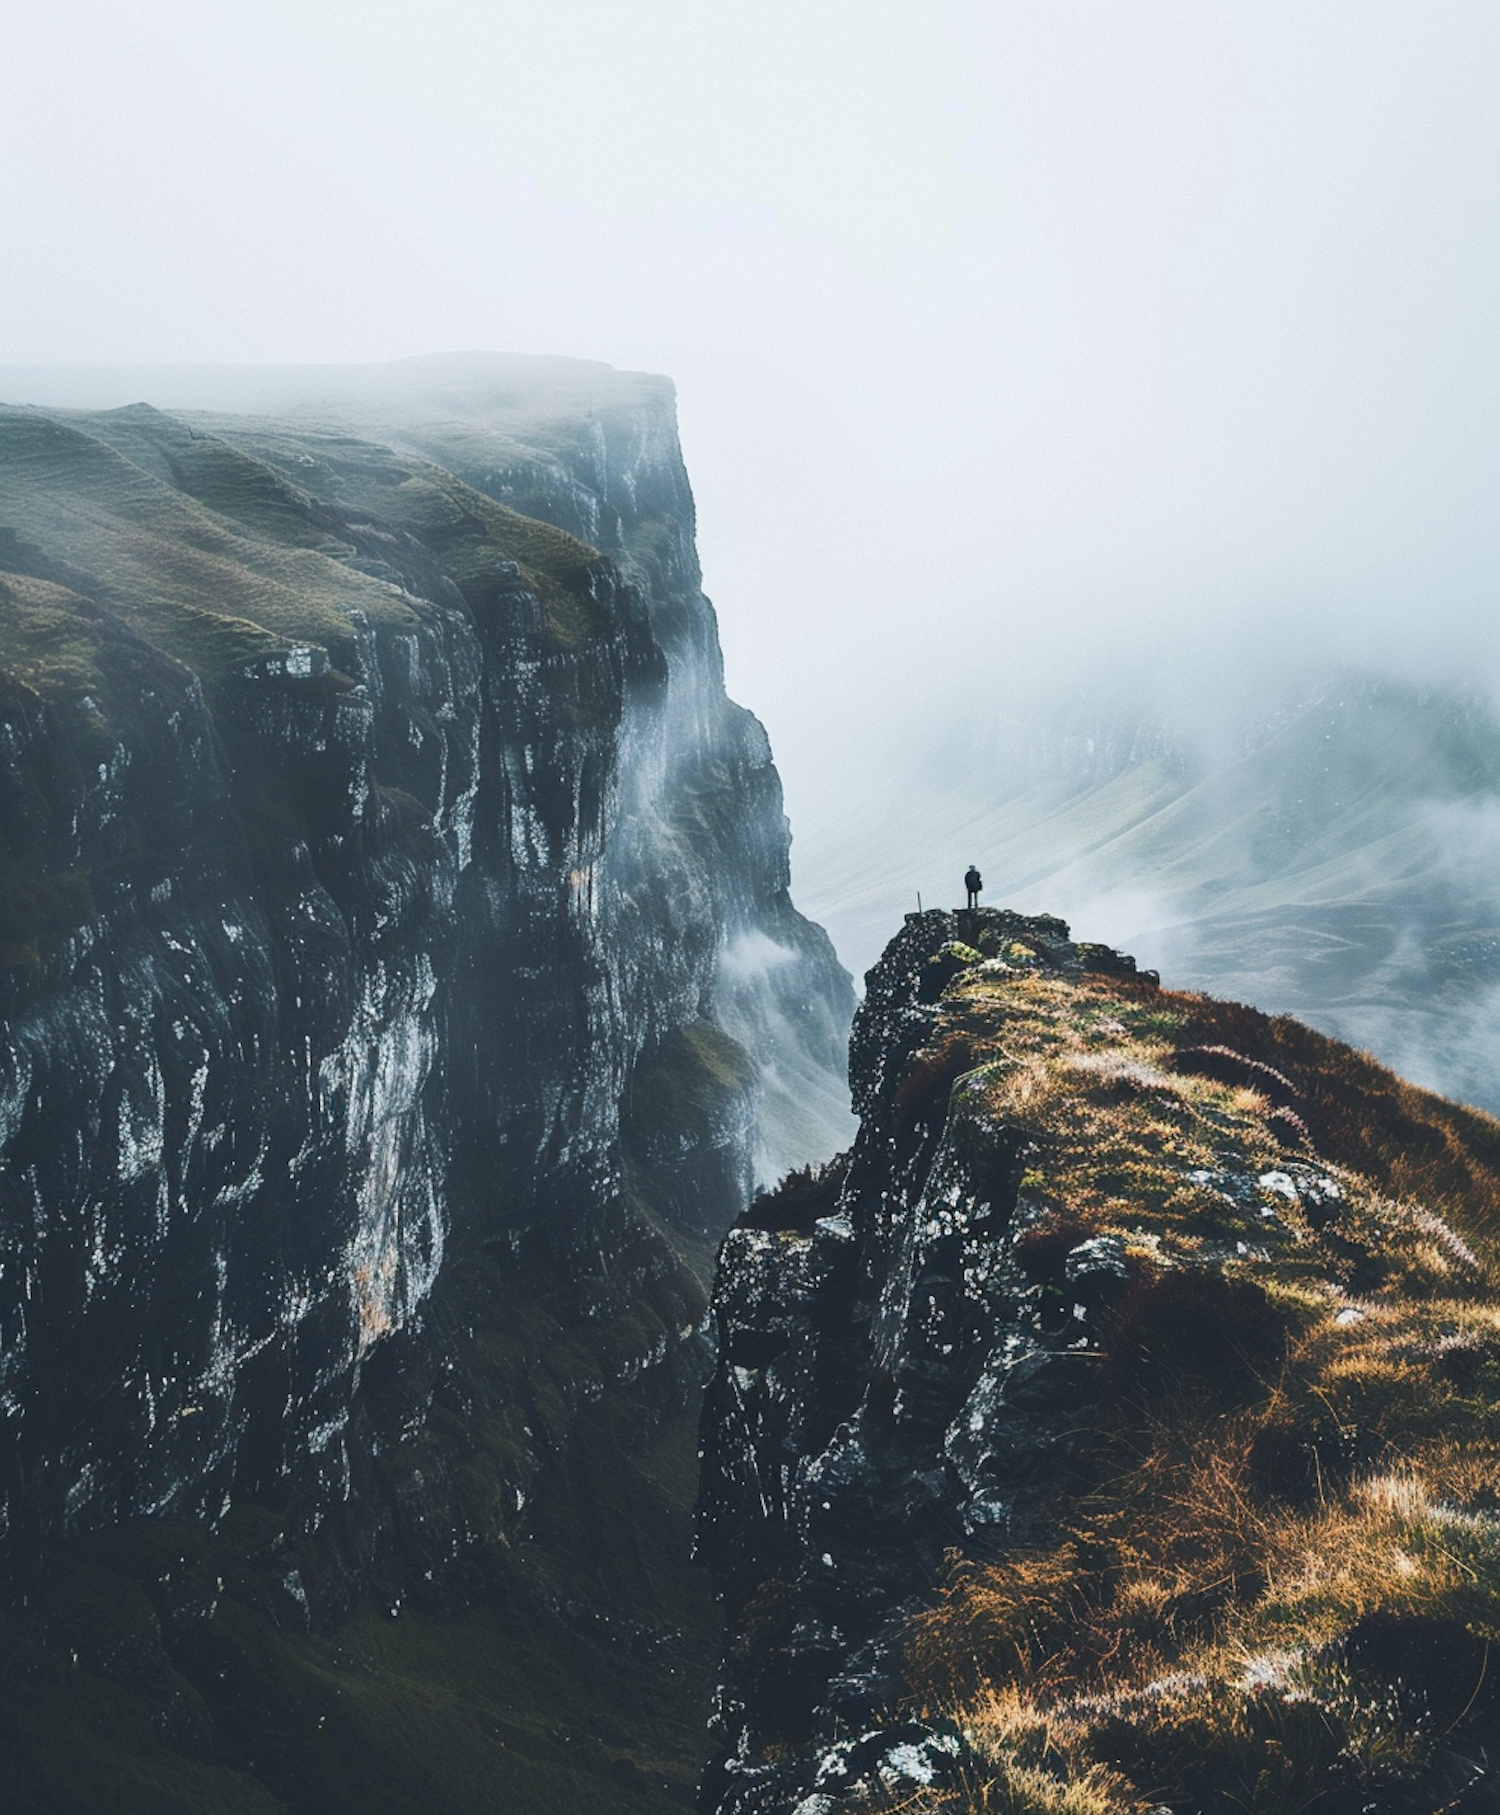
(701, 801)
(395, 911)
(1114, 1427)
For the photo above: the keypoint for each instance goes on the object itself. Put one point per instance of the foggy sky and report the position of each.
(1007, 336)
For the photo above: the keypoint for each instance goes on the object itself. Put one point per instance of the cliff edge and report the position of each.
(1113, 1429)
(401, 994)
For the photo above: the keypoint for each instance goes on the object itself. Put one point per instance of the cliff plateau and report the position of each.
(401, 992)
(1113, 1429)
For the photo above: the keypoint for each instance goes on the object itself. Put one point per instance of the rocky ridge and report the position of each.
(1112, 1429)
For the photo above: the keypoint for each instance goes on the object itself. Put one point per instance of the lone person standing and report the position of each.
(973, 882)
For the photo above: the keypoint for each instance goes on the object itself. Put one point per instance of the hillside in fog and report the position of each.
(1329, 854)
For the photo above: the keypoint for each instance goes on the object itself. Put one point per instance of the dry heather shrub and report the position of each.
(1407, 1142)
(1042, 1250)
(1178, 1535)
(1466, 1473)
(922, 1095)
(1015, 1789)
(1187, 1638)
(1192, 1325)
(1034, 1762)
(1388, 1547)
(1298, 1459)
(995, 1620)
(1023, 1089)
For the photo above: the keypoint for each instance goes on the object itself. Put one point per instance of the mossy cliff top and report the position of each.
(224, 552)
(155, 571)
(1176, 1327)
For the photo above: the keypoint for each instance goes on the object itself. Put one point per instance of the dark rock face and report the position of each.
(396, 926)
(885, 1390)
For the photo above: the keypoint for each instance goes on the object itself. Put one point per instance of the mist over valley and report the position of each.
(1322, 845)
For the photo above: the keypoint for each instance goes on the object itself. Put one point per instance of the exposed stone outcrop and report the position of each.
(881, 1393)
(396, 928)
(1085, 1437)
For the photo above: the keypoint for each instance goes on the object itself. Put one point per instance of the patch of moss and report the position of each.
(684, 1088)
(472, 535)
(52, 639)
(212, 590)
(475, 540)
(194, 585)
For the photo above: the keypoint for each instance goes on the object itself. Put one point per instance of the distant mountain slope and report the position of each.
(1339, 861)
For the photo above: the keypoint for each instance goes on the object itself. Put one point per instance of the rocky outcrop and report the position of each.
(396, 930)
(870, 1324)
(1082, 1437)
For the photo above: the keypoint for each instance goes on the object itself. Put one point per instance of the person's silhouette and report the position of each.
(973, 882)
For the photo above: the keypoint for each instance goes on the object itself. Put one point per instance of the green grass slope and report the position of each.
(219, 554)
(161, 1667)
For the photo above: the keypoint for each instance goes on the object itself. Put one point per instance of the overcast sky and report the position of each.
(1002, 331)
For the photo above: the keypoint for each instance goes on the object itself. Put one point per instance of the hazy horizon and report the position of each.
(1015, 345)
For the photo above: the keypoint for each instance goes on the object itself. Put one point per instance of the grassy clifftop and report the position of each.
(219, 553)
(1271, 1580)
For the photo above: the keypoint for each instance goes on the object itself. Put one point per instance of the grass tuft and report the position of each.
(1275, 1572)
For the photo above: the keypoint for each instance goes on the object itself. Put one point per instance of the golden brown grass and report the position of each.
(1299, 1429)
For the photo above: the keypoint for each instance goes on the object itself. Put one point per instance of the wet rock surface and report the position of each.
(397, 946)
(888, 1387)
